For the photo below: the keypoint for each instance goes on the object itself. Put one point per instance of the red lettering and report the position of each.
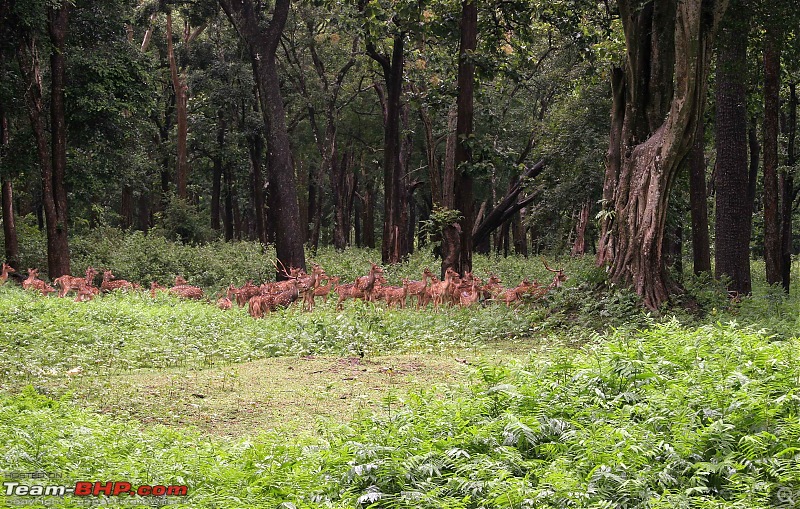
(104, 488)
(122, 487)
(83, 489)
(159, 490)
(179, 491)
(143, 491)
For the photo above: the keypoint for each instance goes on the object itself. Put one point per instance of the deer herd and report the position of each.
(453, 290)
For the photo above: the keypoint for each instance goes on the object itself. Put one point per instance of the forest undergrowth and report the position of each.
(596, 404)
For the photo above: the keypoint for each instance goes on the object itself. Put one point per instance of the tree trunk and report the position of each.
(668, 43)
(734, 208)
(52, 161)
(9, 226)
(126, 207)
(368, 207)
(394, 247)
(262, 44)
(787, 182)
(613, 165)
(256, 148)
(181, 92)
(701, 250)
(227, 219)
(772, 221)
(579, 246)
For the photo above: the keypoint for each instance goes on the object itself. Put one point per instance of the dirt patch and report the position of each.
(289, 395)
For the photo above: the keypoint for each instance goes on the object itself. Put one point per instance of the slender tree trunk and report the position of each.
(613, 165)
(667, 43)
(787, 182)
(256, 148)
(9, 225)
(227, 219)
(126, 207)
(368, 207)
(579, 246)
(734, 208)
(262, 44)
(144, 211)
(701, 250)
(181, 92)
(772, 222)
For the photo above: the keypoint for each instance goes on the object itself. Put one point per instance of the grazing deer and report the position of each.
(110, 284)
(324, 291)
(224, 303)
(68, 283)
(7, 269)
(441, 290)
(37, 284)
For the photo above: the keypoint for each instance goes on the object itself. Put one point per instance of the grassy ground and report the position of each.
(578, 401)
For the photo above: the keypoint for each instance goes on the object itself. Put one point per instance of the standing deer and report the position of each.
(68, 283)
(418, 289)
(324, 291)
(366, 284)
(442, 289)
(559, 278)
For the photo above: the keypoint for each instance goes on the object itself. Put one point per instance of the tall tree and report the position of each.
(262, 39)
(457, 243)
(772, 220)
(734, 206)
(701, 249)
(668, 46)
(51, 151)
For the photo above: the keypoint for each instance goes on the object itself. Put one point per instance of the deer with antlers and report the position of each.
(37, 284)
(559, 279)
(7, 269)
(68, 283)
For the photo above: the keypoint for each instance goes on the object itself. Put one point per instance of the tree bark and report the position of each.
(787, 182)
(262, 44)
(772, 221)
(9, 225)
(669, 42)
(394, 247)
(701, 250)
(579, 246)
(216, 172)
(734, 206)
(181, 92)
(613, 165)
(51, 154)
(457, 249)
(256, 147)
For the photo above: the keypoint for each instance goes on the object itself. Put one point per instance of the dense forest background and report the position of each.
(634, 131)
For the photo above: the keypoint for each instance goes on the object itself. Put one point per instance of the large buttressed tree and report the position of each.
(262, 38)
(659, 99)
